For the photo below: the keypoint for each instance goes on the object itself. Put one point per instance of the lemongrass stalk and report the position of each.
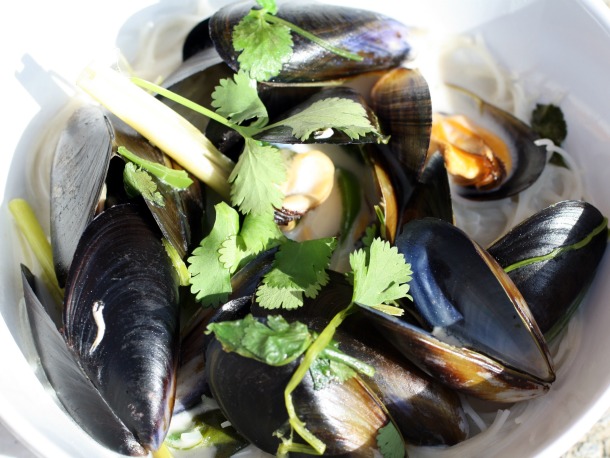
(163, 452)
(37, 240)
(161, 125)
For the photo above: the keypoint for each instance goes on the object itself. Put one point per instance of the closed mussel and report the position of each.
(346, 416)
(121, 319)
(552, 258)
(380, 41)
(425, 411)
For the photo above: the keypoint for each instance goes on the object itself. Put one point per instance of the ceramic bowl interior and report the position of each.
(559, 44)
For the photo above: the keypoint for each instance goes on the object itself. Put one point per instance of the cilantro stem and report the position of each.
(314, 350)
(187, 103)
(37, 240)
(557, 251)
(161, 125)
(337, 356)
(304, 33)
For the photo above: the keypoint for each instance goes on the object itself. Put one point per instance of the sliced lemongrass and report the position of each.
(37, 240)
(161, 125)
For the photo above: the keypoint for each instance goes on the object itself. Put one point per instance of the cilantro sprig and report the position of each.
(299, 270)
(256, 178)
(265, 43)
(138, 180)
(226, 248)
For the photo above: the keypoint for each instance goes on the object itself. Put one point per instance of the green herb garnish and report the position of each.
(260, 169)
(277, 342)
(390, 442)
(225, 249)
(299, 270)
(548, 122)
(265, 44)
(139, 182)
(177, 179)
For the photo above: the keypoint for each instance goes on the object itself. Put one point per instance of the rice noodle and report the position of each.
(463, 60)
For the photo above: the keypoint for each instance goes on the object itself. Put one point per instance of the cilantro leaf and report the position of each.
(178, 179)
(288, 297)
(237, 99)
(272, 297)
(210, 280)
(264, 47)
(258, 233)
(390, 442)
(275, 342)
(256, 178)
(299, 270)
(380, 276)
(299, 263)
(548, 122)
(139, 182)
(332, 113)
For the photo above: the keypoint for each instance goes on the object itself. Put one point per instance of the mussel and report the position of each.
(490, 153)
(425, 411)
(552, 258)
(478, 335)
(401, 100)
(380, 41)
(120, 325)
(80, 164)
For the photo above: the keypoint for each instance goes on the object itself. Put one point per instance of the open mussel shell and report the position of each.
(401, 100)
(121, 319)
(480, 337)
(80, 164)
(382, 42)
(73, 388)
(425, 411)
(431, 194)
(521, 161)
(552, 258)
(346, 416)
(404, 198)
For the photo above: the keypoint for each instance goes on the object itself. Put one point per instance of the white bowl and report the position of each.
(561, 44)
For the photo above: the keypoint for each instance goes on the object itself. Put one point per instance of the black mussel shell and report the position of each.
(73, 388)
(553, 287)
(80, 164)
(401, 100)
(382, 42)
(425, 411)
(197, 40)
(431, 194)
(480, 336)
(121, 318)
(345, 416)
(191, 385)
